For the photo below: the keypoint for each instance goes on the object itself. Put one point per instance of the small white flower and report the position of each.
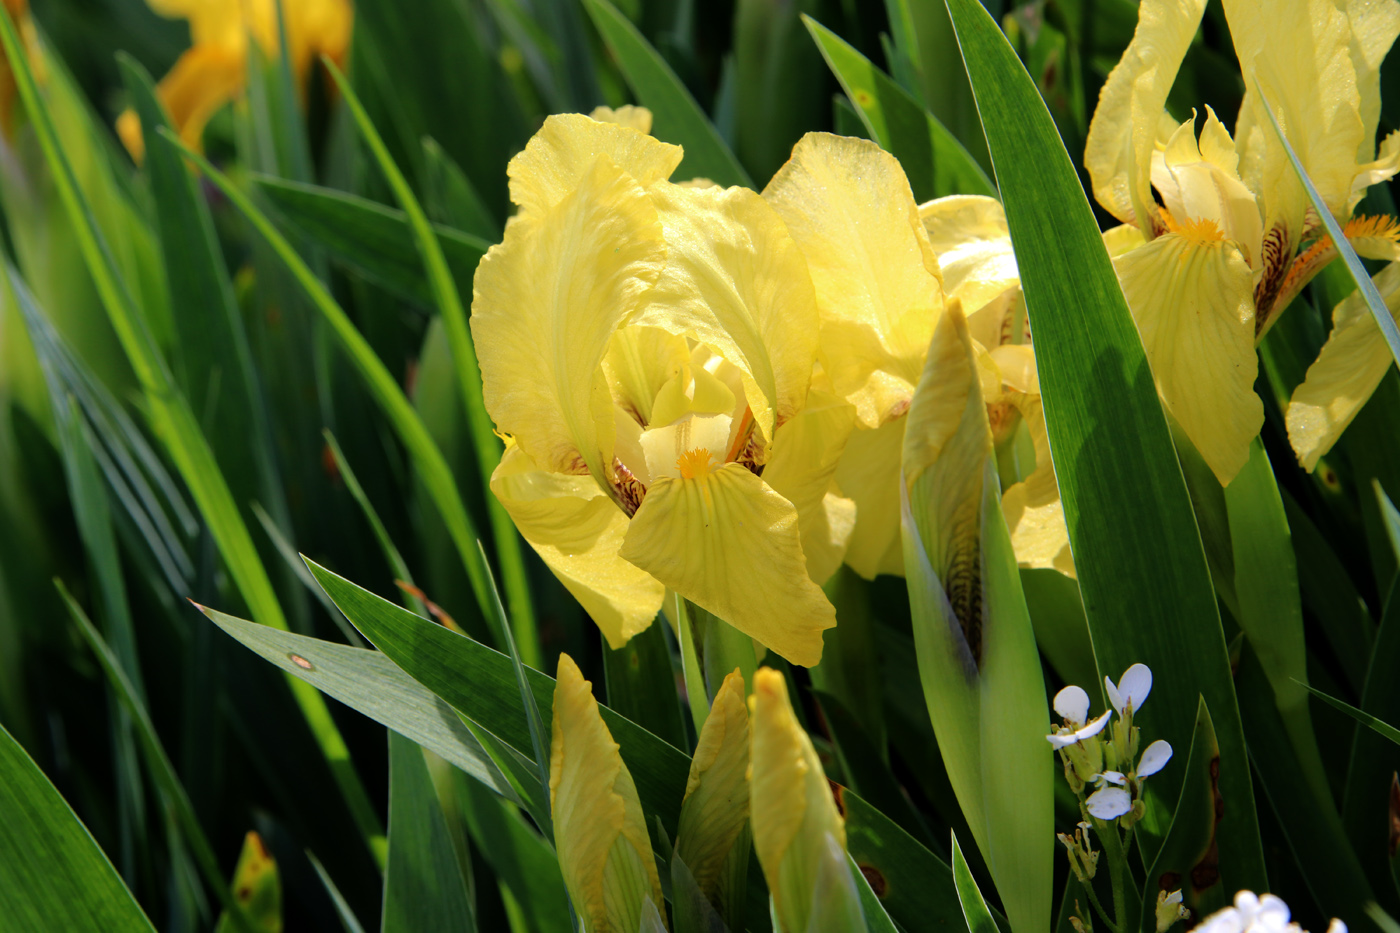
(1257, 914)
(1109, 803)
(1132, 689)
(1066, 737)
(1109, 777)
(1154, 758)
(1072, 703)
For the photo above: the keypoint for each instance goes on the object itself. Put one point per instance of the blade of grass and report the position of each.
(974, 906)
(1361, 716)
(288, 552)
(431, 465)
(1142, 571)
(159, 763)
(175, 424)
(679, 118)
(347, 917)
(485, 444)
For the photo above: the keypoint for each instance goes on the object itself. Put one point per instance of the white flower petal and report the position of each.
(1173, 898)
(1336, 926)
(1109, 803)
(1065, 738)
(1112, 777)
(1114, 699)
(1154, 758)
(1133, 688)
(1073, 704)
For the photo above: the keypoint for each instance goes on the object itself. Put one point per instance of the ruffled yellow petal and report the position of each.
(1346, 372)
(562, 153)
(1130, 113)
(638, 118)
(737, 283)
(600, 833)
(727, 542)
(578, 531)
(1201, 183)
(546, 303)
(204, 79)
(793, 810)
(973, 243)
(805, 454)
(716, 807)
(1122, 238)
(1385, 166)
(1193, 299)
(639, 362)
(869, 475)
(849, 207)
(1318, 63)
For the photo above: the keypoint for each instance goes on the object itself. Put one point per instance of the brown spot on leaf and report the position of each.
(838, 793)
(1170, 881)
(1206, 872)
(1394, 813)
(301, 662)
(876, 878)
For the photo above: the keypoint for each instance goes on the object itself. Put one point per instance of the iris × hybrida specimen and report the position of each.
(1207, 271)
(647, 349)
(214, 69)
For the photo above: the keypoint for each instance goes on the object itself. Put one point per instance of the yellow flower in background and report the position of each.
(848, 205)
(600, 832)
(794, 814)
(1220, 258)
(9, 91)
(648, 349)
(213, 70)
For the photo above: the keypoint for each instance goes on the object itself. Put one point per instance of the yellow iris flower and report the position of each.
(883, 267)
(648, 350)
(214, 69)
(600, 832)
(1219, 258)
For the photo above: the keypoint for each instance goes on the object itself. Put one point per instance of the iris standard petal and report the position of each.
(638, 118)
(1154, 758)
(546, 303)
(849, 207)
(727, 542)
(869, 475)
(969, 234)
(1192, 297)
(640, 360)
(558, 158)
(600, 833)
(736, 282)
(1109, 803)
(1341, 380)
(1128, 119)
(1072, 703)
(578, 531)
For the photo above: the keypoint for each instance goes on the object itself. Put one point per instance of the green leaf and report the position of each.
(936, 163)
(678, 117)
(53, 876)
(914, 885)
(368, 682)
(1384, 319)
(370, 238)
(174, 422)
(975, 913)
(691, 911)
(1366, 719)
(641, 684)
(1146, 587)
(347, 917)
(876, 918)
(258, 887)
(451, 198)
(423, 886)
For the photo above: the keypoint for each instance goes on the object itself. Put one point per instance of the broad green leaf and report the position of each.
(427, 459)
(423, 886)
(1310, 822)
(778, 70)
(678, 117)
(913, 884)
(877, 920)
(451, 198)
(368, 682)
(370, 238)
(1146, 587)
(691, 911)
(936, 163)
(850, 653)
(1366, 804)
(53, 876)
(174, 422)
(641, 684)
(974, 907)
(1270, 608)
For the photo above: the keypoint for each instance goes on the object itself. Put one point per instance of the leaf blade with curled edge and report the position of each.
(370, 683)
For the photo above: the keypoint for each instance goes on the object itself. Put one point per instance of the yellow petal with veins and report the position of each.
(869, 475)
(737, 283)
(600, 833)
(1200, 182)
(805, 454)
(1131, 110)
(849, 207)
(546, 303)
(716, 807)
(578, 531)
(973, 243)
(639, 362)
(727, 542)
(791, 801)
(1193, 300)
(1341, 380)
(558, 158)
